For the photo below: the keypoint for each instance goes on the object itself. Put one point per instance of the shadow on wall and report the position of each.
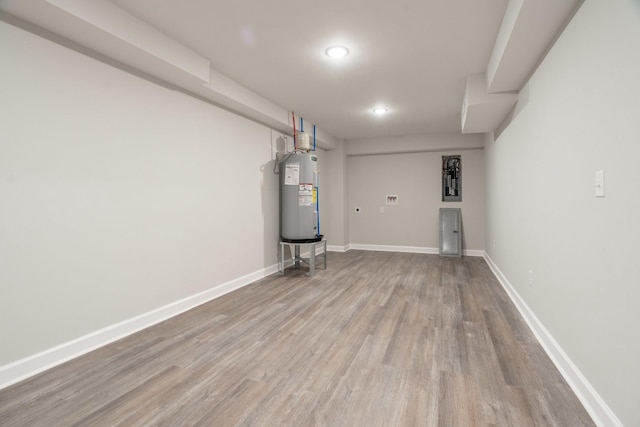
(271, 201)
(523, 100)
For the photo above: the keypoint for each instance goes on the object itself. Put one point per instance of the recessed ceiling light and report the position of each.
(380, 111)
(337, 51)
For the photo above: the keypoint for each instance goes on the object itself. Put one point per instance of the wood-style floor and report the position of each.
(378, 339)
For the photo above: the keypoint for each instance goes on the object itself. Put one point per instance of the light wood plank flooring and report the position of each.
(378, 339)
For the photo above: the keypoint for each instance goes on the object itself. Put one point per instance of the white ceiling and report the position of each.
(412, 56)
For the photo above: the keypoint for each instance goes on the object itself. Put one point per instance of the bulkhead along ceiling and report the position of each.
(428, 62)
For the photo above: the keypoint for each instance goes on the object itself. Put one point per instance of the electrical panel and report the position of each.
(452, 178)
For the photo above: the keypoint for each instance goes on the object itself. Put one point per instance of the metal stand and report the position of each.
(311, 261)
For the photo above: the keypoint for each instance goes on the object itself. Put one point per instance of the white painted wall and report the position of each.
(333, 200)
(117, 196)
(578, 114)
(416, 179)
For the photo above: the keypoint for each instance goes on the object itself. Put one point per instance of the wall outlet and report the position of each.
(530, 277)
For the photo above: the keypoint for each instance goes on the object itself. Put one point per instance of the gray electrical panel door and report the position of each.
(450, 232)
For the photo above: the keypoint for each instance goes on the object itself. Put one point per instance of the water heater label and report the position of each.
(292, 174)
(305, 195)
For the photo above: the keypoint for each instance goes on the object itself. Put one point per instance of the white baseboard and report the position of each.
(334, 248)
(32, 365)
(410, 249)
(473, 252)
(597, 408)
(391, 248)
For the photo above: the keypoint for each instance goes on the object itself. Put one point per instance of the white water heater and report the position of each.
(299, 220)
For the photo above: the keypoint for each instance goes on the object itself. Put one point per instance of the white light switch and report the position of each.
(600, 183)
